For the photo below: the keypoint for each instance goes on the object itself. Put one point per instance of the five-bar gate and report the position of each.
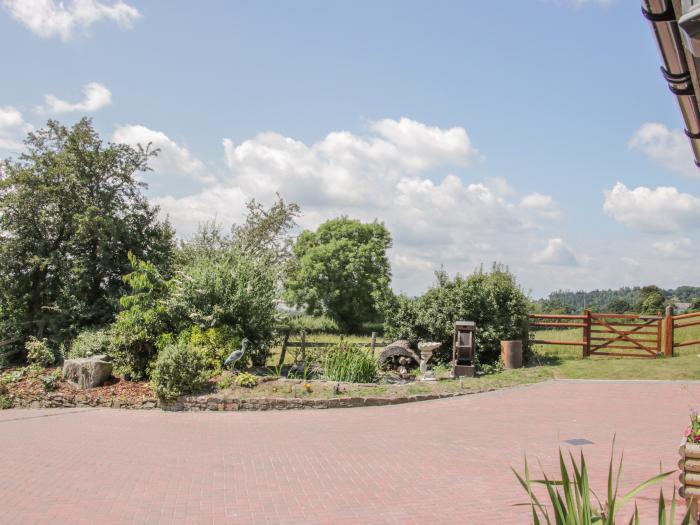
(620, 335)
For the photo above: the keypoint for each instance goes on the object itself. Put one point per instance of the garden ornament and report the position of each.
(235, 356)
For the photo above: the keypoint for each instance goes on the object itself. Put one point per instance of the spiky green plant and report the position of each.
(570, 497)
(350, 363)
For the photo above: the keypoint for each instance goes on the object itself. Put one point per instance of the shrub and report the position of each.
(350, 363)
(246, 380)
(38, 352)
(89, 343)
(5, 402)
(180, 369)
(215, 343)
(227, 287)
(493, 300)
(142, 321)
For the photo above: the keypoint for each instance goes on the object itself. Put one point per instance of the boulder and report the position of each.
(87, 372)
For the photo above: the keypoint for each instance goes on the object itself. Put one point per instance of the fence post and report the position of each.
(374, 341)
(303, 346)
(283, 354)
(668, 332)
(587, 333)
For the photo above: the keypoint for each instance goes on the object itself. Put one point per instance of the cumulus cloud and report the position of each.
(12, 128)
(659, 210)
(95, 97)
(556, 253)
(363, 176)
(668, 148)
(401, 172)
(675, 248)
(48, 18)
(172, 159)
(543, 205)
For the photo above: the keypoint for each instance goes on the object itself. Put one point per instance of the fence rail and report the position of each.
(635, 335)
(672, 325)
(627, 335)
(303, 344)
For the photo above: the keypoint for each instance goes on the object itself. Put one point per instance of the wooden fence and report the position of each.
(303, 344)
(619, 335)
(673, 323)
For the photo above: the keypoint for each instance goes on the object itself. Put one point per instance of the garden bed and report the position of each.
(270, 394)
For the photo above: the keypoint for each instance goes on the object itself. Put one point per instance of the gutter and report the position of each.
(675, 69)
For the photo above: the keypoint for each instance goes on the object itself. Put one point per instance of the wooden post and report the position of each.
(668, 332)
(283, 354)
(374, 341)
(587, 333)
(303, 346)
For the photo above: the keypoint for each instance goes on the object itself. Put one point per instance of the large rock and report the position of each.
(87, 372)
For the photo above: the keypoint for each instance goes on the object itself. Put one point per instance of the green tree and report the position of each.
(341, 270)
(651, 300)
(71, 209)
(618, 306)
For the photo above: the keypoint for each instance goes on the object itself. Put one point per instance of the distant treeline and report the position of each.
(620, 300)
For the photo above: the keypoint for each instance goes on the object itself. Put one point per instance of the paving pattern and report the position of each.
(445, 461)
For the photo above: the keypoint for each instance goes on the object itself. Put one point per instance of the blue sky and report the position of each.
(537, 133)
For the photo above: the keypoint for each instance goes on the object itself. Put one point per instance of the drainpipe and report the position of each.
(662, 18)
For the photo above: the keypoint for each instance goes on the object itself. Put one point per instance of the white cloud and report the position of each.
(668, 148)
(400, 172)
(556, 253)
(48, 18)
(543, 205)
(12, 128)
(675, 248)
(172, 159)
(95, 97)
(663, 209)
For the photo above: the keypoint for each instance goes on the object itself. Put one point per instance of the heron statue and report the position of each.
(236, 356)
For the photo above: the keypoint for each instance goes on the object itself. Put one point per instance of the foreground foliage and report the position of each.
(571, 496)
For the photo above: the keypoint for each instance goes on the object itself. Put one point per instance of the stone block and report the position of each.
(87, 372)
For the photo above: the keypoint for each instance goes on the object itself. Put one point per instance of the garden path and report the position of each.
(444, 461)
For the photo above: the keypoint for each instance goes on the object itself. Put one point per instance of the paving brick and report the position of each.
(444, 461)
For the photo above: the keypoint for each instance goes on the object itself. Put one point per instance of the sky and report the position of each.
(536, 133)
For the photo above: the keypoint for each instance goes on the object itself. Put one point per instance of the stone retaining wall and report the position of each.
(213, 402)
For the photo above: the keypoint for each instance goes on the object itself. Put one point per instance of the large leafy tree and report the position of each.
(341, 270)
(71, 210)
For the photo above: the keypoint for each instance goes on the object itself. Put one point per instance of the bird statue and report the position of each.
(236, 356)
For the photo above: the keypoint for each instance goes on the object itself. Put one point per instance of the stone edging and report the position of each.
(215, 403)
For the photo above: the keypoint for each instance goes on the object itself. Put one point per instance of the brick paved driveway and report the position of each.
(433, 462)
